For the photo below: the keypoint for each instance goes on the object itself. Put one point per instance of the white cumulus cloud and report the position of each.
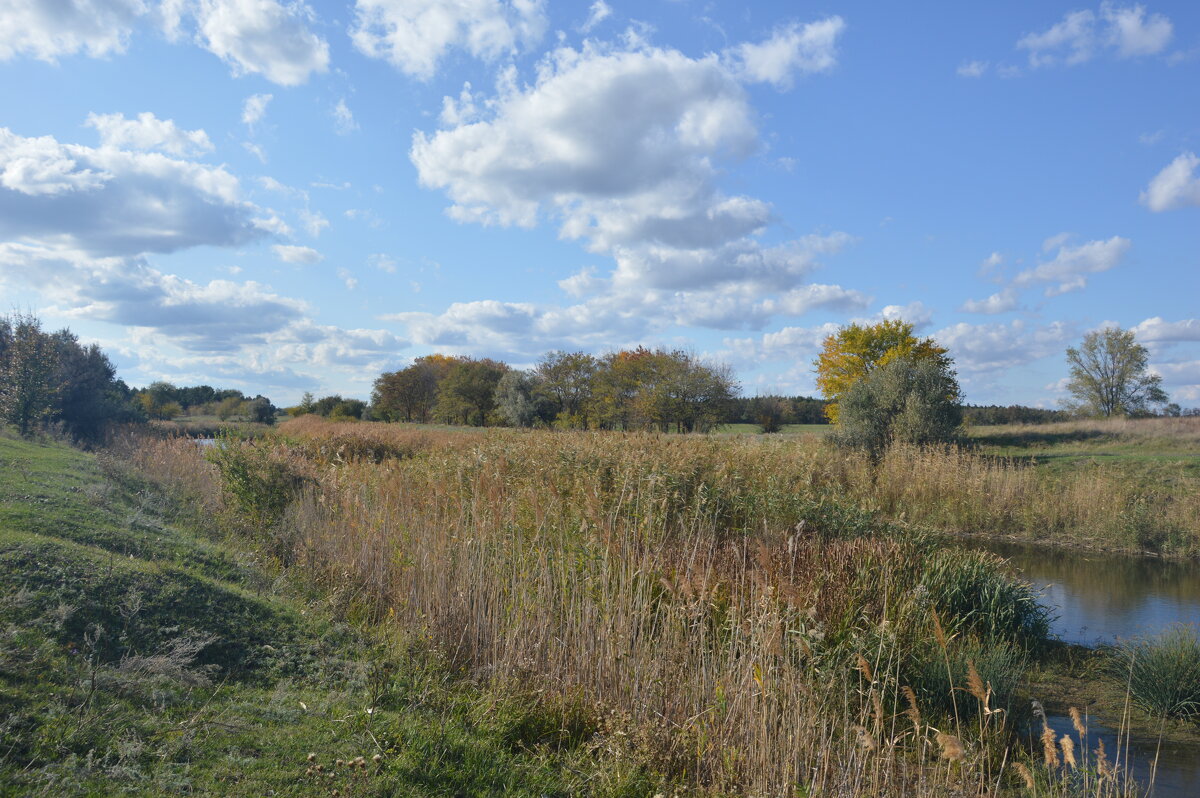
(110, 201)
(1176, 186)
(1069, 268)
(1126, 31)
(48, 30)
(262, 37)
(289, 253)
(148, 132)
(796, 48)
(414, 35)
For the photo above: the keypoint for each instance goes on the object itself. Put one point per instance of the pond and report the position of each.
(1104, 599)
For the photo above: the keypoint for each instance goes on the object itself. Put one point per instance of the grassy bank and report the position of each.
(724, 604)
(141, 655)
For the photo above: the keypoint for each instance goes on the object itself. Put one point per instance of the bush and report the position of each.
(973, 587)
(260, 485)
(1163, 673)
(906, 400)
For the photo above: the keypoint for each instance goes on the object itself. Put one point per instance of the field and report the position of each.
(141, 655)
(755, 614)
(552, 613)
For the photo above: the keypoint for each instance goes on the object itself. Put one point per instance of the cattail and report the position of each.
(864, 668)
(938, 632)
(952, 749)
(1102, 766)
(1050, 747)
(913, 713)
(1068, 750)
(975, 684)
(1077, 721)
(1024, 774)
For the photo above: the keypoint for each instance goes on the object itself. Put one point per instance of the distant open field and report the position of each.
(1149, 441)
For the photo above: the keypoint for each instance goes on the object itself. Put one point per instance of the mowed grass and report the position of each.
(1150, 443)
(141, 657)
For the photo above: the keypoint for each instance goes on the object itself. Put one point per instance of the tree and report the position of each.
(1109, 375)
(566, 378)
(411, 394)
(27, 370)
(909, 399)
(855, 351)
(519, 402)
(467, 394)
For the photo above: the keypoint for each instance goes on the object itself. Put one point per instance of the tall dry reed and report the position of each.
(715, 598)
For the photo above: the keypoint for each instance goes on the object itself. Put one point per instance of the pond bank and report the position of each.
(1100, 600)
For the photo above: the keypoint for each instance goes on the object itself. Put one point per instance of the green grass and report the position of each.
(141, 657)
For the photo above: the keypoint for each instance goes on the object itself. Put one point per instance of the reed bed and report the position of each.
(725, 608)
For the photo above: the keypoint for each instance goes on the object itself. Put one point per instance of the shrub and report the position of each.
(1163, 672)
(907, 400)
(261, 486)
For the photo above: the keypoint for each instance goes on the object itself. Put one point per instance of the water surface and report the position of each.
(1104, 598)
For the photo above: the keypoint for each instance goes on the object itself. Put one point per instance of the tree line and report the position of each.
(50, 380)
(638, 389)
(163, 400)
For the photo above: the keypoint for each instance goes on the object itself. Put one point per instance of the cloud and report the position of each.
(1176, 186)
(46, 31)
(1070, 267)
(981, 348)
(221, 330)
(999, 302)
(116, 202)
(972, 69)
(213, 316)
(261, 37)
(148, 132)
(1126, 31)
(343, 119)
(314, 222)
(293, 254)
(1132, 33)
(618, 147)
(597, 13)
(347, 277)
(414, 35)
(1158, 330)
(806, 49)
(255, 108)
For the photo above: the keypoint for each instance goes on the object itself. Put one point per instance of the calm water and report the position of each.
(1104, 599)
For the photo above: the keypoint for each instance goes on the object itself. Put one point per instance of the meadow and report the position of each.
(145, 652)
(751, 614)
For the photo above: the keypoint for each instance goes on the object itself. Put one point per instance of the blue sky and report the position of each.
(283, 198)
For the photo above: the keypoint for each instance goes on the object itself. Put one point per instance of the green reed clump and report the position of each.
(975, 589)
(1163, 672)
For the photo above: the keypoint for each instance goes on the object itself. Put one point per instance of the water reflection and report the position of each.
(1104, 598)
(1178, 774)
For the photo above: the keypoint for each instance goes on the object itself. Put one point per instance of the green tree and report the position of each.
(856, 350)
(1110, 377)
(566, 378)
(519, 402)
(27, 370)
(467, 395)
(909, 399)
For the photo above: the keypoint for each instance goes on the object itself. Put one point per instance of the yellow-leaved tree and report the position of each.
(856, 350)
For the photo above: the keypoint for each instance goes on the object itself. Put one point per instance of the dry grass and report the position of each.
(713, 599)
